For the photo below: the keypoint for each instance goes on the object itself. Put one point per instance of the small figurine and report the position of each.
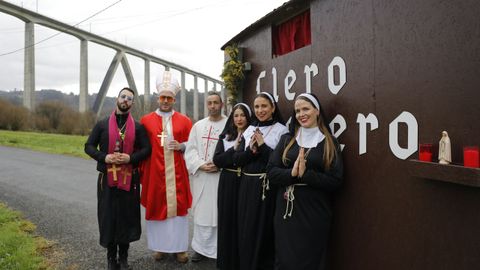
(444, 149)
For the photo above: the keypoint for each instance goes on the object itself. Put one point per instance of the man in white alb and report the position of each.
(204, 177)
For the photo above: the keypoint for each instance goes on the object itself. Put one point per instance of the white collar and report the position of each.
(164, 114)
(309, 137)
(228, 144)
(271, 134)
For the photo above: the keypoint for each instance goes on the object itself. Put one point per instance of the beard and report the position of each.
(214, 113)
(123, 107)
(165, 107)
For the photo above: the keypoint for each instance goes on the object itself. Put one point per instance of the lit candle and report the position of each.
(425, 152)
(471, 156)
(425, 156)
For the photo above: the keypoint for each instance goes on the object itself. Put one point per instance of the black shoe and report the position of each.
(196, 257)
(124, 265)
(112, 264)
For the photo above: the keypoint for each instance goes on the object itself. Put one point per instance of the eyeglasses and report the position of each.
(166, 98)
(129, 98)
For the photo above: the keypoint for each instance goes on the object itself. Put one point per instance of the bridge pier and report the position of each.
(195, 98)
(29, 67)
(183, 95)
(97, 106)
(83, 96)
(138, 108)
(146, 95)
(205, 95)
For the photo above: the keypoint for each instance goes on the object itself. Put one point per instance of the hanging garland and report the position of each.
(232, 74)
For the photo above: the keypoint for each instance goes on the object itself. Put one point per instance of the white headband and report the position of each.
(246, 107)
(311, 98)
(269, 97)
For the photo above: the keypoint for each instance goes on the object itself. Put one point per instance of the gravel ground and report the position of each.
(58, 194)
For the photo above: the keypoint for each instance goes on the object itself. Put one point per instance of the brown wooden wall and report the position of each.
(417, 56)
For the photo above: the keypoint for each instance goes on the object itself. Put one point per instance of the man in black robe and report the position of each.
(118, 143)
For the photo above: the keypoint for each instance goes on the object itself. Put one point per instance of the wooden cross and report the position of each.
(208, 141)
(126, 173)
(114, 169)
(162, 137)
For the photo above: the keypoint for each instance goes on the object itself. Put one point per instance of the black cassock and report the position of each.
(302, 229)
(118, 210)
(227, 243)
(255, 213)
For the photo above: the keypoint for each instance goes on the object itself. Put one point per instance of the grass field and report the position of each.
(45, 142)
(19, 247)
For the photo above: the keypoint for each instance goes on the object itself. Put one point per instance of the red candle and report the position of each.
(471, 156)
(425, 152)
(425, 156)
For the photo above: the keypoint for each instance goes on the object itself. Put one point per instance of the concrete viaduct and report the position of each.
(31, 18)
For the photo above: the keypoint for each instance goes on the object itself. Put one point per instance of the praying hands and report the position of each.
(256, 140)
(300, 164)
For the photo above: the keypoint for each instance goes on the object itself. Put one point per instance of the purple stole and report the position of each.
(120, 175)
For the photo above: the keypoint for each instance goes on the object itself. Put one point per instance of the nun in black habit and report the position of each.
(307, 167)
(256, 198)
(227, 148)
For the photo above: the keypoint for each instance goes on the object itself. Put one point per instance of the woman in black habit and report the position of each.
(256, 199)
(306, 167)
(227, 147)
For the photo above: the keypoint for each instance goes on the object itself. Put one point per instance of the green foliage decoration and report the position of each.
(232, 74)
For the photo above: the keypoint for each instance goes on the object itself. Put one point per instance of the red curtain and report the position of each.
(292, 34)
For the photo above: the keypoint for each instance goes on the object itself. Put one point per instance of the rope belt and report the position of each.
(290, 197)
(265, 182)
(238, 171)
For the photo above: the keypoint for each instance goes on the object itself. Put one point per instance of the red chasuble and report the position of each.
(164, 176)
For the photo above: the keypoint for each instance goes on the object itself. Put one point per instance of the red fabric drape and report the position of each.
(292, 34)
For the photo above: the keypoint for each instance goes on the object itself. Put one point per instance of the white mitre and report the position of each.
(167, 82)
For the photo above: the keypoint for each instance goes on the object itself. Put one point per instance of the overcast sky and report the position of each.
(186, 32)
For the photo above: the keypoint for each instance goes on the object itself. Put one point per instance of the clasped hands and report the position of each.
(209, 167)
(300, 164)
(117, 158)
(256, 141)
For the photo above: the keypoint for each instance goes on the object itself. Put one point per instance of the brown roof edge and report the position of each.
(287, 9)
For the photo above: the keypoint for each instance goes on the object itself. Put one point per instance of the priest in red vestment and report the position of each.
(166, 192)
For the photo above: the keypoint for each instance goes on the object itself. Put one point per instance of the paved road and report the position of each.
(58, 193)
